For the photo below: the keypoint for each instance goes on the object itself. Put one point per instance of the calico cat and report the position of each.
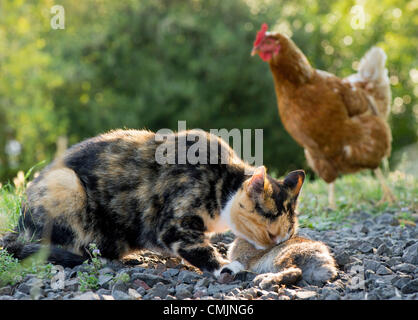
(286, 263)
(111, 191)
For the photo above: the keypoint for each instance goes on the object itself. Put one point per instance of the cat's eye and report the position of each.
(272, 236)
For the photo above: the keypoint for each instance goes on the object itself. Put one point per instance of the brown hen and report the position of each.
(341, 123)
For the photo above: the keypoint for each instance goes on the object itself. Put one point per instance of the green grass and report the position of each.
(356, 193)
(11, 197)
(10, 204)
(12, 271)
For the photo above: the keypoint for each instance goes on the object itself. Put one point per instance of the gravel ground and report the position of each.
(377, 258)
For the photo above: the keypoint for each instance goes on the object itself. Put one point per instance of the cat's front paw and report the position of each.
(230, 268)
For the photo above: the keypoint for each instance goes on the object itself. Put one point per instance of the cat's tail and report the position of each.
(22, 250)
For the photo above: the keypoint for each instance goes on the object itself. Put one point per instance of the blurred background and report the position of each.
(149, 63)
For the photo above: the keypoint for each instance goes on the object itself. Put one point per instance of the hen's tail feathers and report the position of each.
(372, 66)
(21, 250)
(372, 70)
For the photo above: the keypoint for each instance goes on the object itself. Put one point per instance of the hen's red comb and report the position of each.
(261, 34)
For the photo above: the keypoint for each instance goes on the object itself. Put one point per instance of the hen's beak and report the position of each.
(254, 51)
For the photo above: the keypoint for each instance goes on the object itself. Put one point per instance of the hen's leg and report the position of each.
(331, 196)
(388, 196)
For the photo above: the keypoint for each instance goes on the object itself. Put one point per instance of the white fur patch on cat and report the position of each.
(225, 220)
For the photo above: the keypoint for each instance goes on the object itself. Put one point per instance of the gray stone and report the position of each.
(383, 250)
(305, 295)
(35, 282)
(225, 277)
(185, 286)
(183, 291)
(337, 285)
(120, 295)
(149, 279)
(188, 276)
(141, 291)
(382, 270)
(386, 292)
(215, 288)
(24, 288)
(365, 247)
(68, 296)
(120, 286)
(364, 229)
(413, 296)
(21, 296)
(342, 258)
(388, 219)
(71, 285)
(106, 270)
(370, 274)
(134, 294)
(159, 290)
(405, 267)
(400, 280)
(250, 292)
(204, 282)
(245, 276)
(377, 242)
(234, 292)
(332, 296)
(104, 279)
(409, 243)
(410, 255)
(388, 278)
(89, 295)
(393, 262)
(371, 296)
(136, 269)
(272, 296)
(169, 273)
(103, 292)
(218, 296)
(397, 251)
(200, 292)
(7, 290)
(371, 264)
(410, 287)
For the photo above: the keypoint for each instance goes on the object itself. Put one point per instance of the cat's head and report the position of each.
(263, 210)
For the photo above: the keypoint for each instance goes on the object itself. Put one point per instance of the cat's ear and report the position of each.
(294, 181)
(257, 182)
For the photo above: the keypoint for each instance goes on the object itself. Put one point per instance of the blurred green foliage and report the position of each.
(150, 63)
